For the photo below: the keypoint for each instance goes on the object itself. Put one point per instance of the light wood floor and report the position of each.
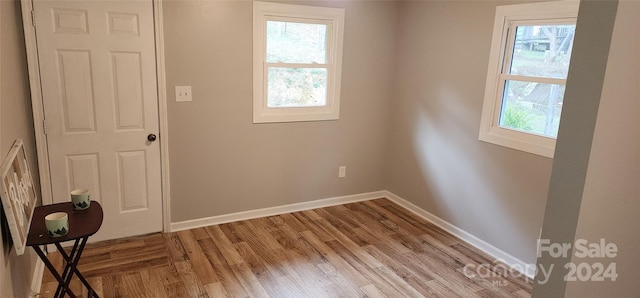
(374, 248)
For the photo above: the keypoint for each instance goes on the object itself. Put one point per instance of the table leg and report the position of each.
(53, 271)
(72, 264)
(66, 276)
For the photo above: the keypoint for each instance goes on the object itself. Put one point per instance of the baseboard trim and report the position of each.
(36, 280)
(271, 211)
(465, 236)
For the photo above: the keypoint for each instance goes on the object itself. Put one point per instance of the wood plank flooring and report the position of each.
(367, 249)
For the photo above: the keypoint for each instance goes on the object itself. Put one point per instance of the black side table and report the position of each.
(82, 224)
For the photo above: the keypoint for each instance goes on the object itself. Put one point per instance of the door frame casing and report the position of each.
(37, 106)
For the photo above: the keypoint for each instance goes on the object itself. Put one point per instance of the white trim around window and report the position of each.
(329, 107)
(502, 41)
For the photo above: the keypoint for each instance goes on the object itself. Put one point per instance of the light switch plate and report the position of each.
(342, 171)
(183, 93)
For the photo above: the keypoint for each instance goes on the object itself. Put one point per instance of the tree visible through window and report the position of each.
(296, 58)
(535, 78)
(528, 66)
(297, 61)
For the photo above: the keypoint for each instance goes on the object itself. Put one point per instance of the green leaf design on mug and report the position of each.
(82, 204)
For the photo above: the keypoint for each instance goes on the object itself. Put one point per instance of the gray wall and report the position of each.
(607, 205)
(16, 272)
(412, 92)
(436, 160)
(610, 205)
(575, 137)
(223, 163)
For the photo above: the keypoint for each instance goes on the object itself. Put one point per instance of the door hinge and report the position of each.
(44, 126)
(33, 18)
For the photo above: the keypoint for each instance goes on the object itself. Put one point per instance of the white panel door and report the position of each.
(97, 63)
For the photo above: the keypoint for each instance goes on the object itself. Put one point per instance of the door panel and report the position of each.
(133, 181)
(123, 23)
(97, 63)
(129, 102)
(76, 90)
(69, 21)
(83, 171)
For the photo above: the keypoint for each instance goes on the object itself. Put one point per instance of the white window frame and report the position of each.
(501, 43)
(334, 18)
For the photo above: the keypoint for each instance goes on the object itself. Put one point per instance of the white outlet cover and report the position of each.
(183, 93)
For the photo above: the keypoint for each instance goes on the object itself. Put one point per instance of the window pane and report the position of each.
(532, 107)
(542, 51)
(296, 87)
(296, 42)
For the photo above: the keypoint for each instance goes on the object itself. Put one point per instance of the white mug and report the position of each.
(81, 199)
(57, 224)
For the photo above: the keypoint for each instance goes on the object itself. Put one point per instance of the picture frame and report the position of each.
(18, 194)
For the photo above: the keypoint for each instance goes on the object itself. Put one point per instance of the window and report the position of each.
(297, 57)
(528, 65)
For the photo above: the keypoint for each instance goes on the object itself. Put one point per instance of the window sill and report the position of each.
(513, 139)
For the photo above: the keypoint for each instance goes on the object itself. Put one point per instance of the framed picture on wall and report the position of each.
(18, 194)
